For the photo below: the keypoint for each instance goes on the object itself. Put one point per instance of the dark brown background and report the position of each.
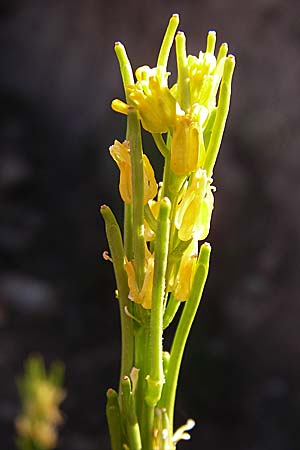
(58, 75)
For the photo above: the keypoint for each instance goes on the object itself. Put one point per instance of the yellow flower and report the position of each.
(187, 147)
(143, 296)
(194, 211)
(152, 98)
(45, 435)
(185, 275)
(121, 154)
(205, 73)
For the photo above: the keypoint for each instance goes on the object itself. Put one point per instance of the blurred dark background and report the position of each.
(58, 75)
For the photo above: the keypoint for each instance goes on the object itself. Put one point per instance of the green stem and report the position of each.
(182, 332)
(125, 67)
(141, 341)
(136, 154)
(128, 245)
(160, 144)
(114, 420)
(167, 42)
(144, 412)
(221, 116)
(117, 253)
(155, 378)
(183, 80)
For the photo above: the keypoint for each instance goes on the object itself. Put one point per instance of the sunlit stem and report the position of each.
(128, 245)
(128, 79)
(223, 50)
(221, 116)
(155, 379)
(211, 42)
(125, 67)
(183, 81)
(182, 332)
(166, 45)
(136, 154)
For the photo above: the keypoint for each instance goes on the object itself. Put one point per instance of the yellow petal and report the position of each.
(185, 146)
(134, 294)
(146, 292)
(193, 214)
(119, 106)
(185, 275)
(153, 99)
(125, 184)
(121, 155)
(150, 185)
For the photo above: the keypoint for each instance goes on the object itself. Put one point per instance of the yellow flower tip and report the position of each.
(205, 252)
(229, 66)
(180, 35)
(206, 246)
(211, 41)
(223, 48)
(228, 69)
(119, 106)
(119, 48)
(102, 208)
(165, 202)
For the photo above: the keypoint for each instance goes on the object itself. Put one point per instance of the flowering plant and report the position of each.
(160, 262)
(41, 395)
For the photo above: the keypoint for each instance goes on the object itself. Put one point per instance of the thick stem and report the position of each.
(155, 378)
(128, 245)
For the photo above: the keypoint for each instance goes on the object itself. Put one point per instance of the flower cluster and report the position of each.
(41, 396)
(161, 259)
(188, 112)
